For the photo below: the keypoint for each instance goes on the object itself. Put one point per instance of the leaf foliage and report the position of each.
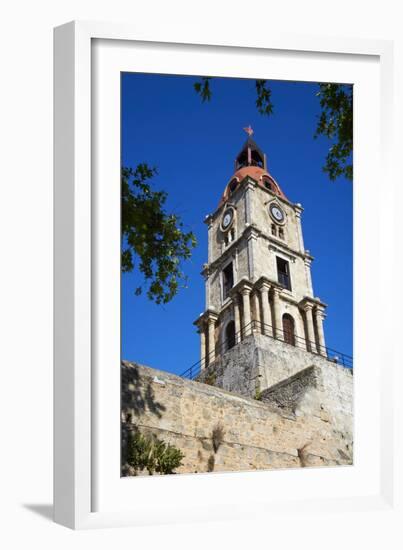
(152, 454)
(202, 87)
(153, 240)
(263, 101)
(336, 123)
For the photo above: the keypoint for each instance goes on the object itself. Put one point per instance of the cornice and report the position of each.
(274, 286)
(265, 281)
(228, 302)
(210, 267)
(286, 298)
(252, 230)
(312, 302)
(282, 244)
(205, 316)
(242, 285)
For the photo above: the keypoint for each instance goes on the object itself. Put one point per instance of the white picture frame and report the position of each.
(88, 490)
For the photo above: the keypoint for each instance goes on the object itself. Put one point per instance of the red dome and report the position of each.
(263, 178)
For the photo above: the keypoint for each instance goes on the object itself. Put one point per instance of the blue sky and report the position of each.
(193, 146)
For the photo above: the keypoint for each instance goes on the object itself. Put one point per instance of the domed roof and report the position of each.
(261, 175)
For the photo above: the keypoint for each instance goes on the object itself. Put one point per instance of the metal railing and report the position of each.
(287, 337)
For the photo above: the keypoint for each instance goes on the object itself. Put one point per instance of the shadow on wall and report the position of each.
(138, 398)
(137, 394)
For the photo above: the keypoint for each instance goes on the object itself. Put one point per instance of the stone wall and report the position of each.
(259, 362)
(288, 427)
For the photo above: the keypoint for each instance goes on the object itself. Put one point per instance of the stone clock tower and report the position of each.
(261, 319)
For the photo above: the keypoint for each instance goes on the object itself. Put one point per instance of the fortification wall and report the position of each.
(291, 427)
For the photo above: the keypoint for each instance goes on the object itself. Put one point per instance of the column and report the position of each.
(202, 347)
(207, 290)
(319, 317)
(211, 340)
(256, 325)
(209, 221)
(310, 337)
(250, 258)
(266, 311)
(277, 314)
(246, 311)
(237, 319)
(307, 263)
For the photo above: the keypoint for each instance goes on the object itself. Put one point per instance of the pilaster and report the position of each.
(298, 211)
(251, 236)
(249, 186)
(209, 221)
(277, 313)
(307, 262)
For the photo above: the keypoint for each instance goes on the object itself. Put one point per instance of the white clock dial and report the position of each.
(277, 213)
(227, 219)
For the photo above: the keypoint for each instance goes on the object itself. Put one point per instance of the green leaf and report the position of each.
(263, 102)
(152, 454)
(202, 88)
(336, 123)
(152, 236)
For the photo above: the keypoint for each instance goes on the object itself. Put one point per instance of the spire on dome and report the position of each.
(250, 154)
(251, 161)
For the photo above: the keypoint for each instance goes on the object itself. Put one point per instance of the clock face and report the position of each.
(227, 219)
(277, 213)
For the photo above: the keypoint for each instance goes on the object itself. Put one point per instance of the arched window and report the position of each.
(257, 159)
(233, 185)
(242, 160)
(271, 186)
(230, 335)
(227, 280)
(288, 329)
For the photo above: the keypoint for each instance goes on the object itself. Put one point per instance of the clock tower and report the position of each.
(259, 296)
